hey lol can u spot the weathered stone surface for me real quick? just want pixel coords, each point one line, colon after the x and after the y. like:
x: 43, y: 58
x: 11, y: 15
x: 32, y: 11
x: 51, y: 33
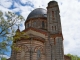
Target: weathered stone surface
x: 45, y: 40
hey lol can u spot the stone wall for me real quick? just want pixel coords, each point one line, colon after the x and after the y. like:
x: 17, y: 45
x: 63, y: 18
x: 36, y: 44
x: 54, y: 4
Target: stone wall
x: 28, y: 50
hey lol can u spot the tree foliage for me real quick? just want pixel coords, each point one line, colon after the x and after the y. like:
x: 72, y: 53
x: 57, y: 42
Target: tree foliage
x: 17, y: 37
x: 8, y: 22
x: 3, y: 58
x: 74, y: 57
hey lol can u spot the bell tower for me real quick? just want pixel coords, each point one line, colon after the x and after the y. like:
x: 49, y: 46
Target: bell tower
x: 53, y: 18
x: 42, y: 37
x: 54, y: 44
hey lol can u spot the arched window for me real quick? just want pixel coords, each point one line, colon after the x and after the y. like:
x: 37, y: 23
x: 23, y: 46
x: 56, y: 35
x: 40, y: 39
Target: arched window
x: 52, y: 28
x: 43, y: 24
x: 52, y: 15
x: 28, y: 24
x: 38, y: 54
x: 55, y: 28
x: 34, y: 23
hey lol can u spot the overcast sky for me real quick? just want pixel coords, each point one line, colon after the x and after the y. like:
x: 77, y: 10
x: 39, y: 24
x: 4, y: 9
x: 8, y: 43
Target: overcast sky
x: 70, y: 18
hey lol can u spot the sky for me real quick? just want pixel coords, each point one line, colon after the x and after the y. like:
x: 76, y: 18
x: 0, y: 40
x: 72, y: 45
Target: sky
x: 69, y: 14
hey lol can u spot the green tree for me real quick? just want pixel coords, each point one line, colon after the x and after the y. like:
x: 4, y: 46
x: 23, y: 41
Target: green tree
x: 74, y: 57
x: 8, y: 22
x: 3, y: 58
x: 17, y: 37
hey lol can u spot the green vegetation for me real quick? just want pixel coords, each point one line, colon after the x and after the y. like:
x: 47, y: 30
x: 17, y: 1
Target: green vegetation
x: 18, y: 36
x: 3, y: 58
x: 8, y: 22
x: 74, y: 57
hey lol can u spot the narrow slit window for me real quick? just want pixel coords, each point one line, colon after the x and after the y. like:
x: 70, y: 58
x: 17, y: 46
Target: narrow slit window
x: 38, y: 54
x: 52, y: 15
x: 55, y: 27
x: 52, y: 28
x: 28, y: 24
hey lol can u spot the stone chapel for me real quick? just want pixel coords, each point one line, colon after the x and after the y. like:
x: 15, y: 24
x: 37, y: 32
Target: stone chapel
x: 45, y: 40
